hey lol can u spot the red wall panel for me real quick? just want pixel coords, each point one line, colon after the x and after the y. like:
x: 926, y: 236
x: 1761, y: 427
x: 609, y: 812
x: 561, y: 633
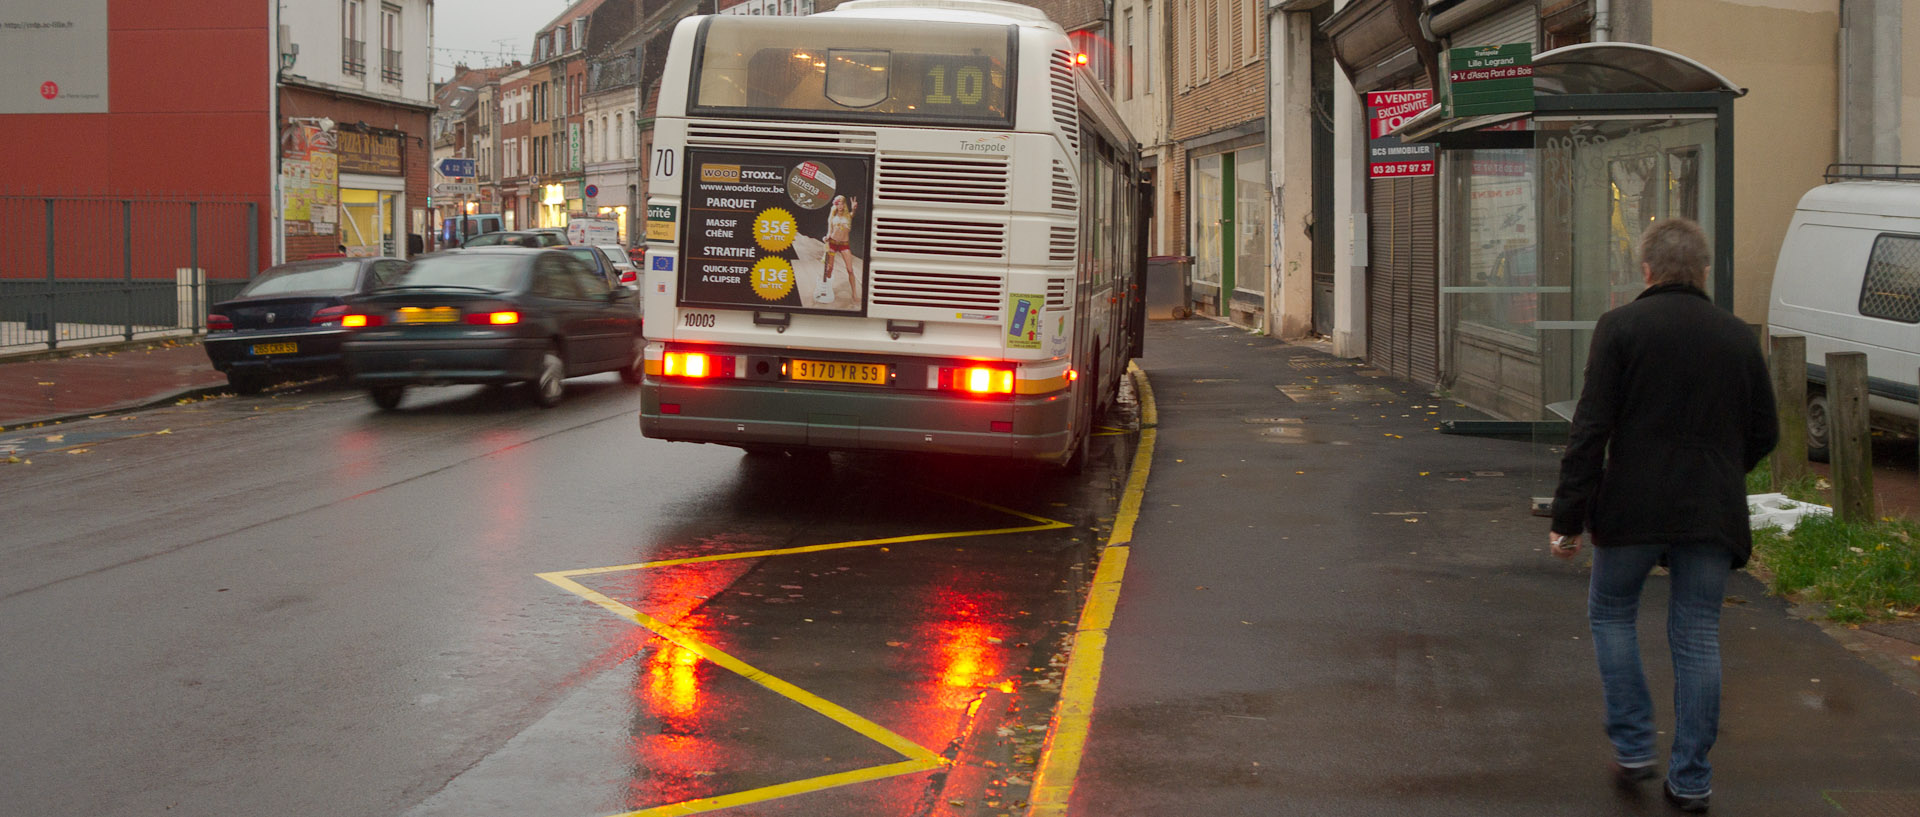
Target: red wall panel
x: 190, y: 70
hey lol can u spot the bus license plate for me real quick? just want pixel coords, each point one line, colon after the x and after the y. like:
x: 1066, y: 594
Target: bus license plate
x: 872, y: 374
x: 286, y: 348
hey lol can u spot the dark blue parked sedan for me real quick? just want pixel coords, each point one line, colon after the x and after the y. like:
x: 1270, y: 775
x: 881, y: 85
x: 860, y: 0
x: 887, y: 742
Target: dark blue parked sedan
x: 286, y: 321
x: 491, y: 315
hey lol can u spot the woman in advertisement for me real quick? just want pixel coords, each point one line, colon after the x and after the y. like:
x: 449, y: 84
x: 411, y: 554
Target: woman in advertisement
x: 839, y: 244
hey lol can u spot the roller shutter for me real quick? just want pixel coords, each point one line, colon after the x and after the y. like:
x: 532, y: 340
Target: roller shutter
x: 1403, y: 281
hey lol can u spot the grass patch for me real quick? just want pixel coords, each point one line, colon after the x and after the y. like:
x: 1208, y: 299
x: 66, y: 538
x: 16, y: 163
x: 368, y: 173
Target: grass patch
x: 1861, y: 572
x: 1808, y: 488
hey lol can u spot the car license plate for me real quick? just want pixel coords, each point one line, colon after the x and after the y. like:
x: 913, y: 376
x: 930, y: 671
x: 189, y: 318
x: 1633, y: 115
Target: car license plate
x: 285, y: 348
x: 428, y: 314
x: 873, y: 374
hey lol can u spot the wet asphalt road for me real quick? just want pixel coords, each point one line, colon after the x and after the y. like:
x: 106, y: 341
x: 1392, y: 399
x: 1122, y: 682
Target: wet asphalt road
x: 294, y: 603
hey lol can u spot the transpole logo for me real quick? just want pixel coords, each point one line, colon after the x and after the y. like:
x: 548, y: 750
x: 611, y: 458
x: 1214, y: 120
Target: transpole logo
x: 49, y: 89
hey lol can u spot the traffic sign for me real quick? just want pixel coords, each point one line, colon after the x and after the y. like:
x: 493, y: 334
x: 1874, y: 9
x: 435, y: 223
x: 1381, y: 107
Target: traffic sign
x: 457, y: 168
x: 456, y: 189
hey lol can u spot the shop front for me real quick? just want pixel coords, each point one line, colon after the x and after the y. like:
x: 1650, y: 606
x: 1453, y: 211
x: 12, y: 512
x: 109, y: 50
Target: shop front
x: 373, y: 197
x: 1227, y: 191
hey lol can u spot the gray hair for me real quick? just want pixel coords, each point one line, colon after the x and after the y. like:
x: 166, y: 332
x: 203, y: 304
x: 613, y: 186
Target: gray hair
x: 1676, y: 249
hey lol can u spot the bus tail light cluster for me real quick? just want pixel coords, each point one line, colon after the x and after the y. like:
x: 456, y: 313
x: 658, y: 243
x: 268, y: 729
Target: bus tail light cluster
x: 696, y: 365
x: 976, y: 379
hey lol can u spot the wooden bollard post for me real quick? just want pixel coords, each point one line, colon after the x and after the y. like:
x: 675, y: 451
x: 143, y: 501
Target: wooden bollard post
x: 1788, y: 363
x: 1849, y: 436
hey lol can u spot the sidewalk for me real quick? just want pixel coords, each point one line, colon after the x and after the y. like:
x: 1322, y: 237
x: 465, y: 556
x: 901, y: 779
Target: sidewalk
x: 1333, y: 609
x: 93, y: 380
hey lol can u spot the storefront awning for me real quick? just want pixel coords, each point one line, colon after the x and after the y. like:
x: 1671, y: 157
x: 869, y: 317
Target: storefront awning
x: 1587, y: 69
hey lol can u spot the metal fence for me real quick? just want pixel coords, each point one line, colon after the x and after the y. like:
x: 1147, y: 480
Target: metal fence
x: 80, y: 269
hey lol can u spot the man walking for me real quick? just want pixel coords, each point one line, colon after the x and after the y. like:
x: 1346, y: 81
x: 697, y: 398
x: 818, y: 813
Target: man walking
x: 1676, y: 409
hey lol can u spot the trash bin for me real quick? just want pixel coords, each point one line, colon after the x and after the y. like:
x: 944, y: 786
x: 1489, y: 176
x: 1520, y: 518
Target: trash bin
x: 1169, y: 293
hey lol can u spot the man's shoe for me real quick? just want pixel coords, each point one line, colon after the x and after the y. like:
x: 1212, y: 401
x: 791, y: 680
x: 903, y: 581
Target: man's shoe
x: 1684, y: 803
x: 1627, y: 777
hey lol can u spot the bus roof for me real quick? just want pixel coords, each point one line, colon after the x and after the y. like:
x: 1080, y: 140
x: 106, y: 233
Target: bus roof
x: 918, y: 9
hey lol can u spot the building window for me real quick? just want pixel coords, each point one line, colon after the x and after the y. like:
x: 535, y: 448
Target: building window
x: 619, y: 134
x: 1126, y: 70
x: 389, y: 43
x: 353, y: 44
x: 1146, y: 75
x: 590, y: 137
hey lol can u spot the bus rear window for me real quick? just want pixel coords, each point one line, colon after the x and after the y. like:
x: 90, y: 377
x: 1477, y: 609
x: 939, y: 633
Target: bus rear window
x: 868, y: 70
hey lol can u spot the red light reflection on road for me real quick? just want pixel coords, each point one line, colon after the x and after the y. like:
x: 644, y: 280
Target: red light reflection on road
x: 353, y: 457
x: 673, y: 682
x: 966, y: 652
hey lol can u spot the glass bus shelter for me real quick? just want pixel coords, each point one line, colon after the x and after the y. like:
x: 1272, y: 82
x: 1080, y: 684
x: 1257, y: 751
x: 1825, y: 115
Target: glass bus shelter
x: 1541, y: 213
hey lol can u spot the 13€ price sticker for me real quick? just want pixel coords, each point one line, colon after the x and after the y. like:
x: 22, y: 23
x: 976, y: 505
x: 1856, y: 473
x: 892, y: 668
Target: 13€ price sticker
x: 772, y: 278
x: 774, y: 229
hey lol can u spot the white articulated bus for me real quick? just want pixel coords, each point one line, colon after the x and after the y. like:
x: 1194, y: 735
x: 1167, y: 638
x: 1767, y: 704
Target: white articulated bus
x: 903, y: 225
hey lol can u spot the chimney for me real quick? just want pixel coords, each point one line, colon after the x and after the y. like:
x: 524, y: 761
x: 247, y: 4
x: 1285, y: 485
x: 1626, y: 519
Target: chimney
x: 459, y: 68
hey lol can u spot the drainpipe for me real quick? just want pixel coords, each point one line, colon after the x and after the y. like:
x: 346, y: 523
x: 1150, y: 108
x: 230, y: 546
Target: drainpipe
x: 1602, y: 21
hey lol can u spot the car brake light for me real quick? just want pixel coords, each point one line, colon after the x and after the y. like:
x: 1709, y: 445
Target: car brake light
x: 500, y: 318
x: 330, y: 314
x: 977, y: 380
x: 216, y: 323
x: 696, y: 364
x: 360, y: 321
x: 629, y: 277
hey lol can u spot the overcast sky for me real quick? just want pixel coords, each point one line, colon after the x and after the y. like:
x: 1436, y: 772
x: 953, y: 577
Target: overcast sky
x: 479, y: 32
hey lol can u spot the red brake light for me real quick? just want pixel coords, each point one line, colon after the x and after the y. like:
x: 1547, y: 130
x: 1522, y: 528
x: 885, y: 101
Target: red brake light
x: 696, y: 364
x: 330, y: 314
x: 501, y: 318
x: 360, y: 321
x: 1080, y: 59
x: 217, y: 323
x: 687, y: 364
x: 629, y: 277
x: 977, y: 380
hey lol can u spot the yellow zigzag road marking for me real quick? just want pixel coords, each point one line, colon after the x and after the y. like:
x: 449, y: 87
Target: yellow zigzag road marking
x: 919, y: 758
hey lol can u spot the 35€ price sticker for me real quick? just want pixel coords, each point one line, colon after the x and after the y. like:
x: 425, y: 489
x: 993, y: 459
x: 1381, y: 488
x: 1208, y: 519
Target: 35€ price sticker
x: 774, y: 229
x: 772, y: 278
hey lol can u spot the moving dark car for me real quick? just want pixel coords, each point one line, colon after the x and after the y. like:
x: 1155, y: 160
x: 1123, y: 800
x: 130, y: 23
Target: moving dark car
x: 494, y: 315
x: 286, y: 321
x: 518, y: 238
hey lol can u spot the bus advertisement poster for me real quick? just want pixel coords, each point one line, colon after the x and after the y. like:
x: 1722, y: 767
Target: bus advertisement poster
x: 776, y: 231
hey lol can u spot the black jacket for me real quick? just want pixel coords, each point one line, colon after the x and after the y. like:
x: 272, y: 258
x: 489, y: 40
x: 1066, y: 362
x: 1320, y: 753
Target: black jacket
x: 1677, y: 408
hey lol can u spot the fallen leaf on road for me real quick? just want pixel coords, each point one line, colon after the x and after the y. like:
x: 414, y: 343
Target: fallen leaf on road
x: 164, y: 431
x: 81, y: 451
x: 46, y: 382
x: 54, y: 438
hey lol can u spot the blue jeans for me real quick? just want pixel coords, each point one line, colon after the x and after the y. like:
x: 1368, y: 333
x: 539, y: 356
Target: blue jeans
x: 1699, y: 582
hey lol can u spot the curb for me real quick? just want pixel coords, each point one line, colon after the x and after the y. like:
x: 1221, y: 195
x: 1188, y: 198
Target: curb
x: 151, y: 401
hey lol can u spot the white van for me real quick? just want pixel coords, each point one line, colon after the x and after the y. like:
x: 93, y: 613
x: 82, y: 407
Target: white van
x: 1848, y: 280
x: 456, y: 230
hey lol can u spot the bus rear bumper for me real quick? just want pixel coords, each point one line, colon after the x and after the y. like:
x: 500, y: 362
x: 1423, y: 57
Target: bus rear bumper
x: 788, y: 417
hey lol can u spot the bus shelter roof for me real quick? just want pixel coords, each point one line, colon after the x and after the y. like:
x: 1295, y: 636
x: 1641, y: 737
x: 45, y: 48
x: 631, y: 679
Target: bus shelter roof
x: 1588, y: 69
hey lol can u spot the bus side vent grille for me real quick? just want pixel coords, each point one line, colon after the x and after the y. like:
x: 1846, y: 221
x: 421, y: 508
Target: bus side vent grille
x: 940, y: 290
x: 943, y: 181
x: 1065, y: 103
x: 779, y: 136
x: 943, y: 237
x: 1056, y: 293
x: 1064, y: 196
x: 1060, y: 243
